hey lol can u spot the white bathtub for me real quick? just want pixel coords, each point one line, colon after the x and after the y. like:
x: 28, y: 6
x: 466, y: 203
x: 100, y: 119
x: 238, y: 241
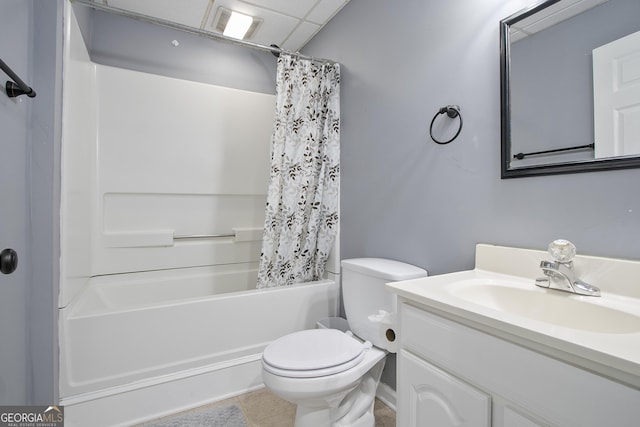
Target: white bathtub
x: 143, y: 344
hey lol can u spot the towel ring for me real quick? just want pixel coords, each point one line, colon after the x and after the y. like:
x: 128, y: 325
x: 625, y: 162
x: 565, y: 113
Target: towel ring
x: 452, y: 111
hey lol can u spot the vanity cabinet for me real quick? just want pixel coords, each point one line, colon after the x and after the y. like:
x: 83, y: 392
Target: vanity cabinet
x: 450, y: 373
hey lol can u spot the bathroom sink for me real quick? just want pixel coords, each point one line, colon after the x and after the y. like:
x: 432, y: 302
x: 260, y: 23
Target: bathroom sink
x: 549, y: 306
x: 500, y: 297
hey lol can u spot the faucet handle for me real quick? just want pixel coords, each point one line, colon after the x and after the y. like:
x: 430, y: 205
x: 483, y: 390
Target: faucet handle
x: 562, y: 250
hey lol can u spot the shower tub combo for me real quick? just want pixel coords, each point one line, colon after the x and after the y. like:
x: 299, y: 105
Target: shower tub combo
x: 160, y: 342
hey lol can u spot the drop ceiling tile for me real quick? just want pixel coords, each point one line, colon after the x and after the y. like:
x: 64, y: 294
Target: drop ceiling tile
x: 324, y: 11
x: 295, y: 8
x: 275, y: 26
x: 300, y: 37
x: 287, y: 23
x: 189, y: 12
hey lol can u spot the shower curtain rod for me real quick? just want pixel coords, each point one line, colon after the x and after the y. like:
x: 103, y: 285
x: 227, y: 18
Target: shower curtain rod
x: 276, y: 50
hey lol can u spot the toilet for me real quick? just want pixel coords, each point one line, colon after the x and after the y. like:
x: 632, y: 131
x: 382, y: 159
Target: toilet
x: 332, y: 375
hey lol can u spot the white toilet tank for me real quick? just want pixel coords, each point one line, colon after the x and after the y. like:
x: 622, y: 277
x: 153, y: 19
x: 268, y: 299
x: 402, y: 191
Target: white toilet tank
x: 363, y: 293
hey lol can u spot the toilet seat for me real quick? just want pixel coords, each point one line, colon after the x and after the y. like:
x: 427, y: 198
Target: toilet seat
x: 313, y: 353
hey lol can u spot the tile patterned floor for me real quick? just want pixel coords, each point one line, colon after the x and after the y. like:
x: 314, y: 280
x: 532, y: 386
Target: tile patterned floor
x: 262, y: 408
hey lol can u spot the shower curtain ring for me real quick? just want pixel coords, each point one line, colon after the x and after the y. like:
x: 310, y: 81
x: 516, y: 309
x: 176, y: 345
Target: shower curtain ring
x: 452, y: 111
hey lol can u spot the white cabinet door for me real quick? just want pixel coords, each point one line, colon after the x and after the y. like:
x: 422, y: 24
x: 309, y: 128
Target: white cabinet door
x: 428, y: 396
x: 616, y: 96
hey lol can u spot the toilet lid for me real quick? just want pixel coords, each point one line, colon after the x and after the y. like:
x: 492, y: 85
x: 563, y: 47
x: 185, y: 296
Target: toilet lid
x: 313, y: 349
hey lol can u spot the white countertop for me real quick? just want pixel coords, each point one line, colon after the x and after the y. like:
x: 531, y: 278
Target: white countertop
x: 603, y: 348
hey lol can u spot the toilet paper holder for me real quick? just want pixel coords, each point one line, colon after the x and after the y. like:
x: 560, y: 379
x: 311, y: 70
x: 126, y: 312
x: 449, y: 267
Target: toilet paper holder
x: 390, y: 334
x: 387, y: 324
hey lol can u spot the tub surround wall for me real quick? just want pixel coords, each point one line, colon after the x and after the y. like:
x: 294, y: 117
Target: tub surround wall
x: 177, y: 158
x: 79, y: 152
x: 149, y: 157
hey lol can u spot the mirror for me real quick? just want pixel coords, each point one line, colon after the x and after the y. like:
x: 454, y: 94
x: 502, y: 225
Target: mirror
x: 570, y: 87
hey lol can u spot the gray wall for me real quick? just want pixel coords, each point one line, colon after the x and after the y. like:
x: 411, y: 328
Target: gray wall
x: 14, y: 289
x: 407, y: 198
x: 31, y: 35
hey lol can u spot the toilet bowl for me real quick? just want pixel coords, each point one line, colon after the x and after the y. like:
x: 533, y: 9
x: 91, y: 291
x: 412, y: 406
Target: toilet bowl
x: 331, y: 375
x: 336, y: 367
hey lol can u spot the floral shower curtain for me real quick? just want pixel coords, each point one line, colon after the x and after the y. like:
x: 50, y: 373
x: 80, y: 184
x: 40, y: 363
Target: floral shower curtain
x: 301, y: 216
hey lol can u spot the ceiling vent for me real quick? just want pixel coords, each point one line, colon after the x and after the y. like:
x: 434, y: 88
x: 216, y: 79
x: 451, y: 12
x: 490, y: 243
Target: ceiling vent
x: 223, y: 19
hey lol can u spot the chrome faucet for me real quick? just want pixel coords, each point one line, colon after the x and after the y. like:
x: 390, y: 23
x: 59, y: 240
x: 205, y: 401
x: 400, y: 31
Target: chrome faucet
x: 560, y: 274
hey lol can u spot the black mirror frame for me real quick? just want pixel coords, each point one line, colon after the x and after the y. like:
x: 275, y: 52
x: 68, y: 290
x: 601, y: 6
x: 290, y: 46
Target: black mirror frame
x: 505, y: 118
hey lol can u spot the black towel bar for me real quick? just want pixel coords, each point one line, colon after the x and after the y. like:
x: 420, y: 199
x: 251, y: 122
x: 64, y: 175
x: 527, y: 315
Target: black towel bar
x: 16, y: 87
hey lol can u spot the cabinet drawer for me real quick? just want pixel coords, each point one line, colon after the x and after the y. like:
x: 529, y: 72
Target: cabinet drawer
x: 429, y: 336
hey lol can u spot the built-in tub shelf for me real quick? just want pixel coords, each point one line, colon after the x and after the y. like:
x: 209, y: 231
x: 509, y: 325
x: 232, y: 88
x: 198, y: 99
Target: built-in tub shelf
x: 154, y: 238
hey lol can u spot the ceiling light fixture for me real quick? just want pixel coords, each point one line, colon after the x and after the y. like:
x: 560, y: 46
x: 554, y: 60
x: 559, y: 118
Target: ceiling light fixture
x: 238, y: 25
x: 235, y: 24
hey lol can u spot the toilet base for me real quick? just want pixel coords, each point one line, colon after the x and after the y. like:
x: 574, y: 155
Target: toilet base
x: 312, y: 417
x: 352, y: 409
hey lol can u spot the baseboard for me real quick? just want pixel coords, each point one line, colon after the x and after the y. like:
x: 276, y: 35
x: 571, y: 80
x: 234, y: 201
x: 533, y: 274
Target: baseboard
x: 133, y: 405
x: 387, y: 395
